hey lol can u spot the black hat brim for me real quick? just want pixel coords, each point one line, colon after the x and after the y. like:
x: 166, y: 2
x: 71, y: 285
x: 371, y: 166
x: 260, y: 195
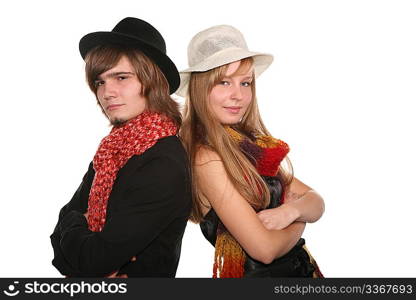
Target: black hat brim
x: 168, y: 68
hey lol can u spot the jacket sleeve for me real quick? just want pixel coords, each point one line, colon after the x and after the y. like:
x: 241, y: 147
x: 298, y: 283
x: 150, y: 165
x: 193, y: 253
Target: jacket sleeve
x: 78, y: 203
x: 155, y: 197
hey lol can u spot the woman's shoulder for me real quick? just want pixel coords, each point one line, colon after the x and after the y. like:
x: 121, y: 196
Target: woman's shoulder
x: 205, y: 154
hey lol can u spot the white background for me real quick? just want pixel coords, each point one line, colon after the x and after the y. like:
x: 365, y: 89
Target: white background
x: 341, y: 93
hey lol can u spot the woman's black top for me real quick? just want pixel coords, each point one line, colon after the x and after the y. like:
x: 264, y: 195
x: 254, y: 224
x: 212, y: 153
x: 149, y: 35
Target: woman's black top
x: 295, y: 263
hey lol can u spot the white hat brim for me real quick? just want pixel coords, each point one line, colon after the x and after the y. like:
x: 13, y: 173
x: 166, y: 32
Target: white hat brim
x: 261, y: 62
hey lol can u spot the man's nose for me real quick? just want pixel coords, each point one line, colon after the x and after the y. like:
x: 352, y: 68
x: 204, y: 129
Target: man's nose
x: 109, y: 90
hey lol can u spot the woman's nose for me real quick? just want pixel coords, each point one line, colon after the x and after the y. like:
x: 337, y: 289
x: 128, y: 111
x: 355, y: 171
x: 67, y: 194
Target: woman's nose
x: 236, y: 92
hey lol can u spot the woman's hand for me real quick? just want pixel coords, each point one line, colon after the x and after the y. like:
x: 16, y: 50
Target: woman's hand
x: 304, y: 199
x: 279, y: 217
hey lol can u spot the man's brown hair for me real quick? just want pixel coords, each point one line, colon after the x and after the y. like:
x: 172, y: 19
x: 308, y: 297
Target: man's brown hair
x: 155, y: 87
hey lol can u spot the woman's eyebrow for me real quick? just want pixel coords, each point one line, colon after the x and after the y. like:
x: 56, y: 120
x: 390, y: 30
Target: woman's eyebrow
x: 248, y: 77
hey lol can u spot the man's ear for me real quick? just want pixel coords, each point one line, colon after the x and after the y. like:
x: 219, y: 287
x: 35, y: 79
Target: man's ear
x: 142, y: 89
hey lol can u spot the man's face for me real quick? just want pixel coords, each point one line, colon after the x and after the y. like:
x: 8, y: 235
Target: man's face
x: 119, y: 93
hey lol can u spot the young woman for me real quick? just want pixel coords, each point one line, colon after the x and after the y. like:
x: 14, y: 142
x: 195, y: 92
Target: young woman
x: 248, y: 205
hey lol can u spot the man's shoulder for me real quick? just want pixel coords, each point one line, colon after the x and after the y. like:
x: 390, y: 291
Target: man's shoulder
x: 166, y: 161
x: 167, y: 151
x: 172, y: 142
x: 168, y: 147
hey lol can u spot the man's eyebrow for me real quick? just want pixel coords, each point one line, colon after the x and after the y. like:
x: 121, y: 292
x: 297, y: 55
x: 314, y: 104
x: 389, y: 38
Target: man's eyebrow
x: 115, y: 74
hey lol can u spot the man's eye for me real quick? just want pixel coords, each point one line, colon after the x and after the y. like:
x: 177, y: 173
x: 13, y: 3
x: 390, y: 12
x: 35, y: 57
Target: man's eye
x: 121, y: 78
x: 98, y: 83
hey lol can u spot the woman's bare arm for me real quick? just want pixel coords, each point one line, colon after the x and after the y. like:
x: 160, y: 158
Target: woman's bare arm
x: 238, y: 216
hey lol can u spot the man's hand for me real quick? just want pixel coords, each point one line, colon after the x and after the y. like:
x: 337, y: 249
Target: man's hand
x: 115, y: 273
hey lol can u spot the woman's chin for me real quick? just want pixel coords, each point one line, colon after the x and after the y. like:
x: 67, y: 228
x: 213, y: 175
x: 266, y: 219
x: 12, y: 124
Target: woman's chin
x: 230, y: 121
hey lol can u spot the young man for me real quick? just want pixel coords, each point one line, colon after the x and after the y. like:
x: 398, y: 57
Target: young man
x: 128, y: 216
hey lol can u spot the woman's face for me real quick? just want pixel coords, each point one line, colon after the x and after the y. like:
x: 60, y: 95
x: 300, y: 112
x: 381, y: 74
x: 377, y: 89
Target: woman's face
x: 230, y: 98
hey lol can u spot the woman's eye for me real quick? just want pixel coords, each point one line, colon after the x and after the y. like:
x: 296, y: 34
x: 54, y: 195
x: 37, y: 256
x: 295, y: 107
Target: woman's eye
x: 120, y: 78
x: 246, y: 83
x: 224, y: 82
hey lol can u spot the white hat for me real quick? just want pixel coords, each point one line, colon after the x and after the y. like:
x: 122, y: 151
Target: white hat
x: 217, y: 46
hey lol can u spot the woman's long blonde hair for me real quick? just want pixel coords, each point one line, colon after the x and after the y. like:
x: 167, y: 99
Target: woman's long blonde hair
x: 200, y: 127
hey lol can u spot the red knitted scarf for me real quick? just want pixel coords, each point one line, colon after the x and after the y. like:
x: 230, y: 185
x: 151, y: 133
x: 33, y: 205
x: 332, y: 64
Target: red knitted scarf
x: 132, y: 138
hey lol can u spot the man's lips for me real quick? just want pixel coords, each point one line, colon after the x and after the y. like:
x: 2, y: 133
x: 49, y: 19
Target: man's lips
x: 114, y: 106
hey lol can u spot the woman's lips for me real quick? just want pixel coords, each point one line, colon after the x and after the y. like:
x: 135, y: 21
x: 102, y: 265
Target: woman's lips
x: 233, y: 109
x: 114, y: 106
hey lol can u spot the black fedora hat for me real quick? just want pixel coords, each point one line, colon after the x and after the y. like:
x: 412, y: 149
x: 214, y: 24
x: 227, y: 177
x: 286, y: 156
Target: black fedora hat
x: 135, y: 33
